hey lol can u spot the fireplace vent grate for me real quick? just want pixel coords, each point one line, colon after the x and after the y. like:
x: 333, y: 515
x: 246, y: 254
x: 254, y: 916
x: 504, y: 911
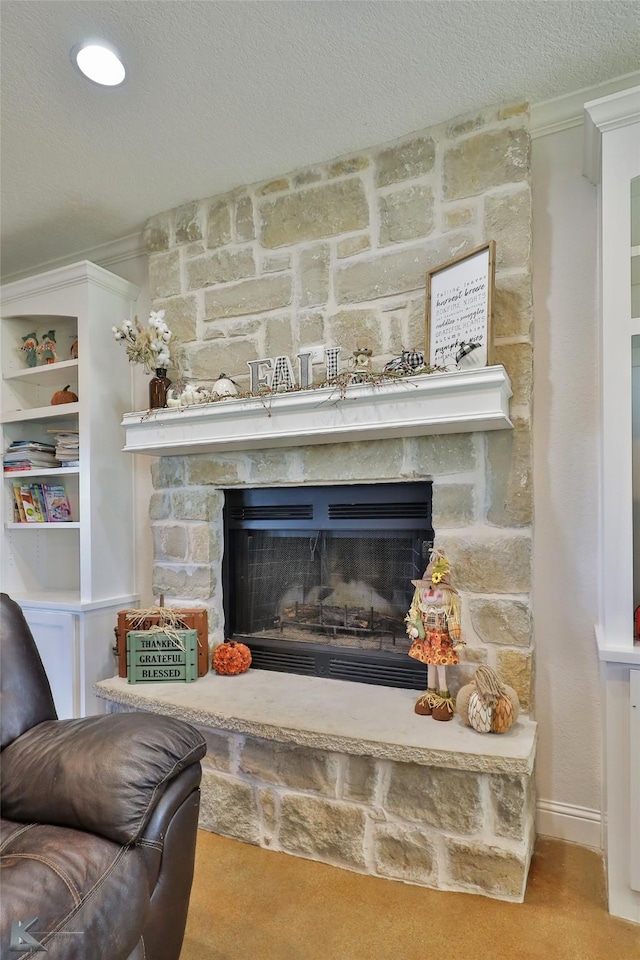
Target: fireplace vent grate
x: 388, y: 674
x: 285, y: 662
x: 273, y: 511
x: 378, y: 511
x: 360, y: 666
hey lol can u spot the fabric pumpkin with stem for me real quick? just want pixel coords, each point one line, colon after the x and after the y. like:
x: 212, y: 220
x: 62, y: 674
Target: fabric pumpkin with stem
x: 64, y: 396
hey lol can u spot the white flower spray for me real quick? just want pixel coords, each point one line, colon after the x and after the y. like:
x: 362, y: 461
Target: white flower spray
x: 154, y: 346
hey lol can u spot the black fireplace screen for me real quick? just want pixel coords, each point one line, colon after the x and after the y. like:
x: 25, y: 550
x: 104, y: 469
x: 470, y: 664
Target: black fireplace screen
x: 318, y: 579
x: 348, y: 591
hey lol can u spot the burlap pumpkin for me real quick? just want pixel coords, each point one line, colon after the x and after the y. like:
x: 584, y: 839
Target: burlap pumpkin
x: 489, y: 706
x: 231, y: 658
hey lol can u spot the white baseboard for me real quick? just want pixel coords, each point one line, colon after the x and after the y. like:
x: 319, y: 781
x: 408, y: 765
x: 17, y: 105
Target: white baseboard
x: 565, y: 822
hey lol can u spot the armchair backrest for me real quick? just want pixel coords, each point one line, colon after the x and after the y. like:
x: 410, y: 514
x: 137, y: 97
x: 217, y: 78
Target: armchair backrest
x: 25, y: 694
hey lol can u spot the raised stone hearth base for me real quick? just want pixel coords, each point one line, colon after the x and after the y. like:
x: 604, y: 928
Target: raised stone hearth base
x: 347, y: 774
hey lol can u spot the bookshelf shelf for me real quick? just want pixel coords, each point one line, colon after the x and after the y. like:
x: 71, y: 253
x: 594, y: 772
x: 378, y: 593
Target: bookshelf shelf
x: 67, y: 601
x: 41, y: 413
x: 42, y: 472
x: 67, y: 525
x: 46, y: 375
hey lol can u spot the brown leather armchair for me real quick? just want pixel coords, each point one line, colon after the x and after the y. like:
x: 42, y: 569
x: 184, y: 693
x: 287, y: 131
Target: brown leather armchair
x: 99, y: 820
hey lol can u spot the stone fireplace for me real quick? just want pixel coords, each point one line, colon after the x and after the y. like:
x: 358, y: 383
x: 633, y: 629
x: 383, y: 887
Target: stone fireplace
x: 341, y: 771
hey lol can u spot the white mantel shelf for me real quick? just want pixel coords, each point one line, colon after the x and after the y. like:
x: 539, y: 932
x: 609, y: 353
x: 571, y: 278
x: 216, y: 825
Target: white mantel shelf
x: 461, y: 402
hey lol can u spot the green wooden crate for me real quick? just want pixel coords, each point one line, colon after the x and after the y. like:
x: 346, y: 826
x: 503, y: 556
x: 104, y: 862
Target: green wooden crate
x: 155, y: 658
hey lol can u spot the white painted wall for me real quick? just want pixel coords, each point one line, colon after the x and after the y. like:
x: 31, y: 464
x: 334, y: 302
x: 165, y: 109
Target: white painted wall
x: 635, y: 453
x: 565, y: 437
x: 135, y: 269
x: 635, y: 385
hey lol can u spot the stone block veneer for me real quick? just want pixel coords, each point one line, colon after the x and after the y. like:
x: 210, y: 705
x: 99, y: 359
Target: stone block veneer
x: 433, y: 804
x: 338, y: 253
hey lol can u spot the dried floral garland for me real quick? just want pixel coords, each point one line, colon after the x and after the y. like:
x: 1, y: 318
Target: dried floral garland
x: 339, y: 383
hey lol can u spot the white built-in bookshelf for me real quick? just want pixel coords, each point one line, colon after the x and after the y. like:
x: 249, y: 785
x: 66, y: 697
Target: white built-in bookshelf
x: 71, y: 577
x: 612, y: 162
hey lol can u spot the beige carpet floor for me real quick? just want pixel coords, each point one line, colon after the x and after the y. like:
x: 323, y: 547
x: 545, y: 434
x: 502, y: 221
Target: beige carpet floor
x: 254, y: 904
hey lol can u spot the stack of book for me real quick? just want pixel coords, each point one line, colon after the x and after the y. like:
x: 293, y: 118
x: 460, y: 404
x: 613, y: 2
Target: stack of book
x: 67, y: 443
x: 41, y: 503
x: 29, y: 455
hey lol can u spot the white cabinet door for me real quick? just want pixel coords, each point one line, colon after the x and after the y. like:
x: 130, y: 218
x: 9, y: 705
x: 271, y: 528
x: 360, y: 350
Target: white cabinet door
x: 634, y: 776
x: 55, y: 635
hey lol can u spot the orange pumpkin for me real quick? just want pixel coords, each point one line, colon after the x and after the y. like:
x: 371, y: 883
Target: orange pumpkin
x: 64, y: 396
x: 231, y: 658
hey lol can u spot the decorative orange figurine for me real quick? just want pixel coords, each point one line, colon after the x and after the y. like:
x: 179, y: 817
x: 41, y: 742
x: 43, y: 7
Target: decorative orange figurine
x: 231, y: 658
x: 64, y: 396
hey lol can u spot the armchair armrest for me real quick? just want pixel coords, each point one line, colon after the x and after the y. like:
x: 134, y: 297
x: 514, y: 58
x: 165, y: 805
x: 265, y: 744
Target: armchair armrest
x: 101, y: 774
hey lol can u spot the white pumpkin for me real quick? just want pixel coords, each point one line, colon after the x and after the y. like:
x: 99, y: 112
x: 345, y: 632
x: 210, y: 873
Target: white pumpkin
x: 480, y: 717
x: 225, y: 387
x: 462, y: 701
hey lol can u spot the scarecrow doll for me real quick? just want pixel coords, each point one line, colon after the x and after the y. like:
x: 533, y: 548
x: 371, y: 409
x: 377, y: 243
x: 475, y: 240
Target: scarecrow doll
x: 433, y: 624
x: 360, y: 364
x: 48, y: 347
x: 29, y: 348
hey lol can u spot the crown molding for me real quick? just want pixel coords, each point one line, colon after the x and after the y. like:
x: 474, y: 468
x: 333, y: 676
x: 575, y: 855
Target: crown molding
x: 602, y: 115
x: 563, y: 113
x: 70, y: 275
x: 104, y: 255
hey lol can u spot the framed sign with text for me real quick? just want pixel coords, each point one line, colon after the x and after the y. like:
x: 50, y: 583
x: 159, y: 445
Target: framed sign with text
x: 459, y: 310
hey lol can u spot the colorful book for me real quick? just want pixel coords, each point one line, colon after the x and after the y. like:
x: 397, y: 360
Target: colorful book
x: 30, y: 505
x: 36, y: 489
x: 57, y: 507
x: 19, y: 504
x: 33, y: 444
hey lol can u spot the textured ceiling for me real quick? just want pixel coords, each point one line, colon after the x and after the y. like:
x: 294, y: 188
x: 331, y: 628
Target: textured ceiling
x: 224, y: 93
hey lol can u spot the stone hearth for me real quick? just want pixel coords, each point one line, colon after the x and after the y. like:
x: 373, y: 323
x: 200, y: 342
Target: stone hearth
x: 349, y: 775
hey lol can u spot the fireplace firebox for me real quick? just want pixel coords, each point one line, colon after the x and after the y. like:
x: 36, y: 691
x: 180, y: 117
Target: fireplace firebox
x: 317, y: 579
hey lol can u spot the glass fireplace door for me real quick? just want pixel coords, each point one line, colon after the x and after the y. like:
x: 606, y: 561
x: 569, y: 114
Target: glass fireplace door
x: 318, y: 579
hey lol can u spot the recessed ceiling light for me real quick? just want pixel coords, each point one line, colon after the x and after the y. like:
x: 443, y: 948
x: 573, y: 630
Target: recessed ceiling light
x: 99, y: 63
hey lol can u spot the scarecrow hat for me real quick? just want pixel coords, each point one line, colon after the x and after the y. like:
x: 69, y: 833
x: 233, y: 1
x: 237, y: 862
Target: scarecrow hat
x: 436, y: 574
